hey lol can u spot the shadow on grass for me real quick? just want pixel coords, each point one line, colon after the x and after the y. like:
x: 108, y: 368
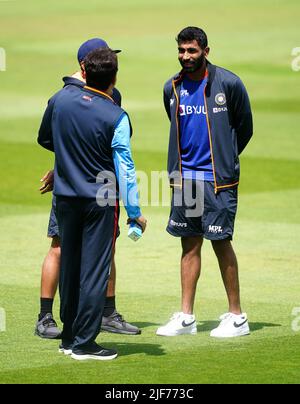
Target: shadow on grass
x: 209, y: 325
x: 142, y: 325
x: 130, y: 348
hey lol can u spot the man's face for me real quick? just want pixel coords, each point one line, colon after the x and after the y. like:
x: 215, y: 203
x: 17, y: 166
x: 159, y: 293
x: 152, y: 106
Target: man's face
x: 191, y: 56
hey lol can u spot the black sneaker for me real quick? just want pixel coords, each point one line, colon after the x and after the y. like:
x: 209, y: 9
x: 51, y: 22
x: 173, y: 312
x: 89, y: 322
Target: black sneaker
x: 47, y: 327
x: 95, y: 352
x: 116, y: 324
x: 65, y: 347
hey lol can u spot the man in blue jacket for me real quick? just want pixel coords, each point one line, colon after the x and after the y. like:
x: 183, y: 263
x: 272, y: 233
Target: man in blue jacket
x: 211, y: 124
x: 112, y: 321
x: 90, y: 135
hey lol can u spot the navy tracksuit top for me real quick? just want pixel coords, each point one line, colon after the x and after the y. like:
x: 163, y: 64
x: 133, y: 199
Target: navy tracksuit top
x: 82, y: 128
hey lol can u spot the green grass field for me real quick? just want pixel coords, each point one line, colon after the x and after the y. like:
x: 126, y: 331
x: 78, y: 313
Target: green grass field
x: 255, y: 40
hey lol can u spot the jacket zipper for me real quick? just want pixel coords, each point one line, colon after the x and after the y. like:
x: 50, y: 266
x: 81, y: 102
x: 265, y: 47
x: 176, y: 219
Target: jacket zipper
x: 216, y: 186
x: 210, y: 143
x: 177, y: 126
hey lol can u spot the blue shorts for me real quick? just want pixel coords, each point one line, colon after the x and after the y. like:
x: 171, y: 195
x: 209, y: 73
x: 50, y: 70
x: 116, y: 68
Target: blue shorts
x: 196, y: 211
x: 53, y: 230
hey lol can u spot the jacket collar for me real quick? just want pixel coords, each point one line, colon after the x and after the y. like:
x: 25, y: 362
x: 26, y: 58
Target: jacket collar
x: 72, y: 81
x: 99, y: 93
x: 75, y: 82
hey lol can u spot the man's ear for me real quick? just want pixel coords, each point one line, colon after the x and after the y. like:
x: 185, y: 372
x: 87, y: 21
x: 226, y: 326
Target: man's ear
x: 83, y: 73
x: 206, y: 51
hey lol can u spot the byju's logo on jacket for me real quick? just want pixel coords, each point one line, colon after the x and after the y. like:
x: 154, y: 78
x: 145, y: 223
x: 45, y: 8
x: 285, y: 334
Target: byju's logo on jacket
x: 192, y: 109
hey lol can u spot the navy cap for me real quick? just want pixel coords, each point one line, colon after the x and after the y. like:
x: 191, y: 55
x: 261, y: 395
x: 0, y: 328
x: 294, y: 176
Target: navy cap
x: 91, y: 45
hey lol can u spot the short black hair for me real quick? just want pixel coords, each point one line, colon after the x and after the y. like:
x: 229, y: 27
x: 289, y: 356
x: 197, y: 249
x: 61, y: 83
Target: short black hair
x: 101, y: 66
x: 193, y: 33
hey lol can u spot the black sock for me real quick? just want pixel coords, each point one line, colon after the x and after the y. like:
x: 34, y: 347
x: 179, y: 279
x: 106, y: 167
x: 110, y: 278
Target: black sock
x: 46, y: 306
x: 110, y: 306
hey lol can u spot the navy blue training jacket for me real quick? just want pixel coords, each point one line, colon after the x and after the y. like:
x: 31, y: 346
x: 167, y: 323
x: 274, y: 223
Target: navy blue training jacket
x: 229, y: 121
x: 79, y: 125
x: 45, y: 131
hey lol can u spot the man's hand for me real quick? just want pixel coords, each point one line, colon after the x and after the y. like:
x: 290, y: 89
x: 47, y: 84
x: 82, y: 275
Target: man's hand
x: 142, y: 221
x: 48, y: 182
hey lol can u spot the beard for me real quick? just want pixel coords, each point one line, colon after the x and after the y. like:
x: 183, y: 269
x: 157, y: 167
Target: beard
x: 194, y: 65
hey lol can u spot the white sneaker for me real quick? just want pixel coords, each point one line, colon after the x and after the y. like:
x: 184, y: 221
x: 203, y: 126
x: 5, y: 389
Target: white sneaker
x: 179, y: 324
x: 231, y: 325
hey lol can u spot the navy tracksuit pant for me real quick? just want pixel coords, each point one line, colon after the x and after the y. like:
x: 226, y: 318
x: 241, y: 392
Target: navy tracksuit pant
x: 87, y: 234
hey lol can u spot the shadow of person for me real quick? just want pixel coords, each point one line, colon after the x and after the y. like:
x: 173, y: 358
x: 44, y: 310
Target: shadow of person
x: 254, y: 326
x: 259, y: 326
x: 144, y: 324
x: 130, y: 348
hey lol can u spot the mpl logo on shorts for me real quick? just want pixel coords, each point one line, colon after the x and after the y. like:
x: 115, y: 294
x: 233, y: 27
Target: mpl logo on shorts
x: 215, y: 229
x: 220, y: 99
x: 176, y: 224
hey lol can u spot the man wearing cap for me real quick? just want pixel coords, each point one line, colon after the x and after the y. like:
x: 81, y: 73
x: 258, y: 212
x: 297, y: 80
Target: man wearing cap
x: 90, y: 135
x: 112, y: 321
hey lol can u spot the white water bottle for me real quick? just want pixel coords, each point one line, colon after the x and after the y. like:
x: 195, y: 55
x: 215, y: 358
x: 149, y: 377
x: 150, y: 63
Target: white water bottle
x: 135, y: 231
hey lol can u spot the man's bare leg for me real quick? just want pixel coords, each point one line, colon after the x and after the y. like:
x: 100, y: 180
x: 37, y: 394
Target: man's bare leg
x: 229, y: 271
x: 46, y: 326
x: 190, y: 271
x: 50, y: 270
x: 185, y: 322
x: 234, y: 323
